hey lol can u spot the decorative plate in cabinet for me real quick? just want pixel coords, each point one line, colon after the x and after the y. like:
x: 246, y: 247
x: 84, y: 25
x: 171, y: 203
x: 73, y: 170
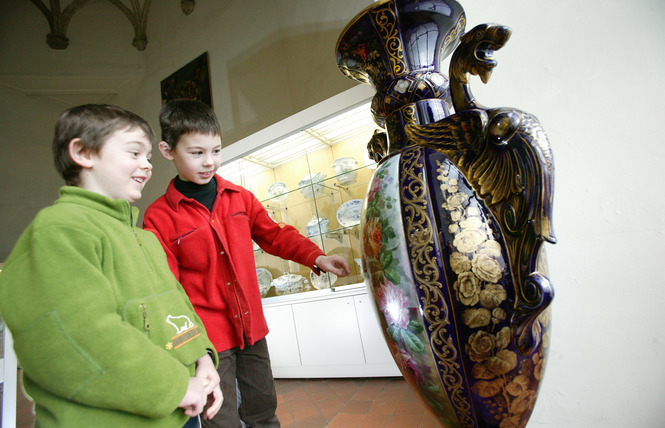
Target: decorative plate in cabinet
x: 348, y: 213
x: 277, y: 192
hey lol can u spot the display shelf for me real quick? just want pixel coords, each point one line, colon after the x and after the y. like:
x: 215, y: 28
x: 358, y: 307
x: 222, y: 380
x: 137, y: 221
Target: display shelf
x: 312, y: 205
x: 339, y: 233
x: 315, y: 295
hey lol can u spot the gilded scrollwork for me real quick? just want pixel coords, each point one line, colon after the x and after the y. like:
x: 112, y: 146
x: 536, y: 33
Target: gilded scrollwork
x: 453, y: 35
x: 421, y: 232
x: 386, y: 21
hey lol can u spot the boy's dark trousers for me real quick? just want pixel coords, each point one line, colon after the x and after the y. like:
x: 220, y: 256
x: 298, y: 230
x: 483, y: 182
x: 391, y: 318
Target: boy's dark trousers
x: 258, y: 403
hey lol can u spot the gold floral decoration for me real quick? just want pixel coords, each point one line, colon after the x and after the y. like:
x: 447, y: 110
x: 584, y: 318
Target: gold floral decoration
x: 506, y: 385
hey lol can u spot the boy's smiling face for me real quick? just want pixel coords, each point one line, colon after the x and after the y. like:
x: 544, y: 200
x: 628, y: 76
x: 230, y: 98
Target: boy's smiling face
x: 196, y: 156
x: 121, y: 168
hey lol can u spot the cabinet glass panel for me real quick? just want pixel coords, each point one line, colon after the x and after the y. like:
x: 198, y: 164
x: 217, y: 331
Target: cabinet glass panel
x: 315, y: 181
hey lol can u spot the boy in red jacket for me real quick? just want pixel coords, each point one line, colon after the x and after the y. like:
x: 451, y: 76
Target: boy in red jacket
x: 206, y: 224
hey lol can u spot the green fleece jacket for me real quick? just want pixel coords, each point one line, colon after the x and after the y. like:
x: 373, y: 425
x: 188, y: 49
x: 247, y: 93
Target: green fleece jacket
x: 103, y: 331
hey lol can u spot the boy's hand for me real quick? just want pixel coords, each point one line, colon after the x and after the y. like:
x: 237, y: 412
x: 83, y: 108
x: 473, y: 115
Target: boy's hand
x: 215, y: 400
x: 205, y: 370
x: 333, y: 264
x: 195, y: 397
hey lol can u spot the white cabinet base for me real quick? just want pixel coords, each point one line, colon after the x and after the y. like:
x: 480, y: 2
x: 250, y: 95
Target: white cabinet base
x: 327, y: 333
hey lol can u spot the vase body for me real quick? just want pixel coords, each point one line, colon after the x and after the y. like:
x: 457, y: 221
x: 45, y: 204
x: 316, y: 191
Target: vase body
x: 452, y: 254
x: 436, y: 263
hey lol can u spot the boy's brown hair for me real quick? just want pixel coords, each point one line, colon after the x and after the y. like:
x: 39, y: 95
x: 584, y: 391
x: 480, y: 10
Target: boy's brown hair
x: 180, y: 117
x: 93, y: 124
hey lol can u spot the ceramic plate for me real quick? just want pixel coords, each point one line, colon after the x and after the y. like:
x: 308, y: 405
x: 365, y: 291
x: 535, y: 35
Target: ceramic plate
x: 277, y: 191
x: 349, y: 213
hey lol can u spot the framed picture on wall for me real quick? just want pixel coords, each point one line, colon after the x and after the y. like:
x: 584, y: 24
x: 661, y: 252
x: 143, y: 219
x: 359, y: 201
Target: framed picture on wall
x: 192, y: 81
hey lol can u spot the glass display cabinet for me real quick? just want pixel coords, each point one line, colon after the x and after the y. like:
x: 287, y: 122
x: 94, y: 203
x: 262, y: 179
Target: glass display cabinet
x: 314, y: 180
x: 311, y: 171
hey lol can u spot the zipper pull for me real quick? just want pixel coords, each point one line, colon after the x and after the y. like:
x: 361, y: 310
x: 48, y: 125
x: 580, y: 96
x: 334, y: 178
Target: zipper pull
x: 146, y: 321
x: 136, y: 235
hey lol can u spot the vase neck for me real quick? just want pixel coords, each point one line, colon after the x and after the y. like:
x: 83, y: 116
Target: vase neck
x: 420, y: 113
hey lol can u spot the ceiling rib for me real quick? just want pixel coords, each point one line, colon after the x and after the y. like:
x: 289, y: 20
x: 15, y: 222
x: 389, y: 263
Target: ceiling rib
x: 58, y: 19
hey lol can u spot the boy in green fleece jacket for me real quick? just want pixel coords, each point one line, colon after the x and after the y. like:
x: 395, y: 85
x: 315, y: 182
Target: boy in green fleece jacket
x: 103, y: 331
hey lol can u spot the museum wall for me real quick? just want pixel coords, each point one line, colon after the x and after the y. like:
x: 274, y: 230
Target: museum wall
x: 590, y: 71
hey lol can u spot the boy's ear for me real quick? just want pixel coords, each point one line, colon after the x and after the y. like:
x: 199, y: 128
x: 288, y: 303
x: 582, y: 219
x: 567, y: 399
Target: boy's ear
x: 166, y: 150
x: 80, y: 154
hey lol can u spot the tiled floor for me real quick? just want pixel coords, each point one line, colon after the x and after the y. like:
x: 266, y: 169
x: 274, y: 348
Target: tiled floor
x: 347, y: 403
x: 333, y: 403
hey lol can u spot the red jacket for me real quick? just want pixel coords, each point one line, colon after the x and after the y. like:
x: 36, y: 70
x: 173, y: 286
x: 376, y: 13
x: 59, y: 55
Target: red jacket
x: 211, y: 254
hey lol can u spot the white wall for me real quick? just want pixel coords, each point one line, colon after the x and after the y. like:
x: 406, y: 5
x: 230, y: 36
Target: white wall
x: 592, y: 73
x: 590, y: 70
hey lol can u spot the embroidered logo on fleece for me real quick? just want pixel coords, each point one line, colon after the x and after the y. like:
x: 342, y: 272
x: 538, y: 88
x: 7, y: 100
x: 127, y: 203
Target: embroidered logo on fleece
x: 185, y: 329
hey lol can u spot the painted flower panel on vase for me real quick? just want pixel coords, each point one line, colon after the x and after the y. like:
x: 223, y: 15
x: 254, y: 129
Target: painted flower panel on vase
x: 390, y: 280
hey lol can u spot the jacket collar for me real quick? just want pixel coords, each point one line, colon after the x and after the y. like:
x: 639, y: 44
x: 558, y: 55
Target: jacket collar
x: 119, y: 209
x: 174, y: 197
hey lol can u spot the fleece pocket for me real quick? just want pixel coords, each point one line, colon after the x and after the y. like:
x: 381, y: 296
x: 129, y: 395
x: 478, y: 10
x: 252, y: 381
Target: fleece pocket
x: 187, y: 248
x: 56, y: 362
x: 169, y: 323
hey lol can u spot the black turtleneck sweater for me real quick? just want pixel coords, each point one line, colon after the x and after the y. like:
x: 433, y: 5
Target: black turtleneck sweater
x: 203, y: 193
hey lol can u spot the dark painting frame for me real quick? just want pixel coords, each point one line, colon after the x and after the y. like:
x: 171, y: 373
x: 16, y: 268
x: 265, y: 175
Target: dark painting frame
x: 192, y: 81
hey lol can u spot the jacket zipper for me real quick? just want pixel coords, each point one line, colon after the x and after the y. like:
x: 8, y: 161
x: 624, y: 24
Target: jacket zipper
x: 138, y: 240
x: 146, y: 319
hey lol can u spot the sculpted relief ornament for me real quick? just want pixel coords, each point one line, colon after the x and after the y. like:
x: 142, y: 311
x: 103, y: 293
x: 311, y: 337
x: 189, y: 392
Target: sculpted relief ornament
x: 455, y: 215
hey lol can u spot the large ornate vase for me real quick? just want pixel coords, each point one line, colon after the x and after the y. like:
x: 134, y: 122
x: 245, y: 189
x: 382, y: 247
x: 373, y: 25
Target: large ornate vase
x: 455, y: 215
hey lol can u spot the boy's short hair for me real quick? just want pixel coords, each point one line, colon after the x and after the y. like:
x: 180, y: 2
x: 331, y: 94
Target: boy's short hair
x: 93, y: 124
x: 180, y: 117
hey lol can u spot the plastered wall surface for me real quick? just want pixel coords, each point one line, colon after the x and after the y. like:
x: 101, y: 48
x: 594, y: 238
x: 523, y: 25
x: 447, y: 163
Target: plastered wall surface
x: 590, y: 71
